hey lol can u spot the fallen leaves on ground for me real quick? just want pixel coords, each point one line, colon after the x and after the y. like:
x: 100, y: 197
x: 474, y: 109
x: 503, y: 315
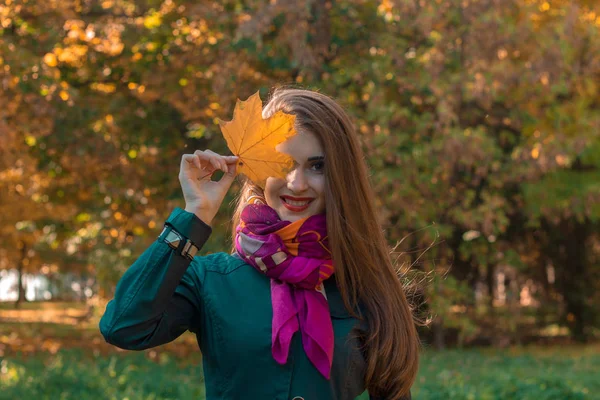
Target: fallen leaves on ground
x: 48, y: 327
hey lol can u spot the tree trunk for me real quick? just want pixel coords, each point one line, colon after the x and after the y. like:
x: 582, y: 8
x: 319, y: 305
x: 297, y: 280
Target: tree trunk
x: 577, y: 288
x: 20, y: 283
x: 568, y: 252
x: 438, y: 333
x: 489, y: 280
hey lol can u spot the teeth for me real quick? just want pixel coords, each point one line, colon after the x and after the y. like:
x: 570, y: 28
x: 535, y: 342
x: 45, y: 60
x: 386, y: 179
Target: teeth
x: 296, y: 203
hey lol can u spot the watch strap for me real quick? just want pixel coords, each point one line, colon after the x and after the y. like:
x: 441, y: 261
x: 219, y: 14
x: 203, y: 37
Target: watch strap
x: 178, y: 242
x: 188, y: 225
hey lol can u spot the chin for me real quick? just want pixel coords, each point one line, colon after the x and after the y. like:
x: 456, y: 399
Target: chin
x: 285, y: 215
x: 291, y: 216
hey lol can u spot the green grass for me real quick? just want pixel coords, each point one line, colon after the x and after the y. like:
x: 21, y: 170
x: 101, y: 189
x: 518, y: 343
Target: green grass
x: 73, y: 374
x: 535, y: 373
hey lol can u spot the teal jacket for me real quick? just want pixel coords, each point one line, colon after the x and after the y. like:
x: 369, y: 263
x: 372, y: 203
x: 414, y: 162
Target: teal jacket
x: 227, y: 304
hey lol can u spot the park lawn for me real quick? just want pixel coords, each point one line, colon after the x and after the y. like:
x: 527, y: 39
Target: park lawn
x: 48, y: 327
x: 528, y: 374
x: 48, y: 352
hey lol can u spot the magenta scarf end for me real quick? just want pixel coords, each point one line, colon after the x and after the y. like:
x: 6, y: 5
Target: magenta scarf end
x: 326, y: 372
x: 280, y: 358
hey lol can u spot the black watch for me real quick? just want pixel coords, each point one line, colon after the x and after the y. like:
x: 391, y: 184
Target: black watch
x: 176, y: 241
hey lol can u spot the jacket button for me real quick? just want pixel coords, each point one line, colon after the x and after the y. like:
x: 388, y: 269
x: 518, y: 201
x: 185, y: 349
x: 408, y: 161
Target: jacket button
x: 298, y: 398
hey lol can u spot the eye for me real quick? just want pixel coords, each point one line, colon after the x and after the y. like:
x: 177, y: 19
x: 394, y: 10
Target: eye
x: 318, y: 166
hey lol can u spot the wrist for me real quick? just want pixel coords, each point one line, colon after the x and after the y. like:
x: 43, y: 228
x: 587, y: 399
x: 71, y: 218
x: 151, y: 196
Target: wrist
x: 203, y: 215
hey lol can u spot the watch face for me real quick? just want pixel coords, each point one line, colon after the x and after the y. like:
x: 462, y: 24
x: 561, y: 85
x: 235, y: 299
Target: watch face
x: 173, y: 239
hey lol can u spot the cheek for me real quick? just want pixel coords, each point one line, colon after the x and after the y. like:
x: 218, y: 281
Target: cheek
x: 318, y: 185
x: 272, y: 188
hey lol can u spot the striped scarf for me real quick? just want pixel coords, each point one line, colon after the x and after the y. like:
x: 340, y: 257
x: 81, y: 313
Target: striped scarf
x: 295, y: 255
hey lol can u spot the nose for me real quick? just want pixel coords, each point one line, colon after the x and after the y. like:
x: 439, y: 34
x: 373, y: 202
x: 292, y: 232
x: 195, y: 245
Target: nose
x: 296, y: 181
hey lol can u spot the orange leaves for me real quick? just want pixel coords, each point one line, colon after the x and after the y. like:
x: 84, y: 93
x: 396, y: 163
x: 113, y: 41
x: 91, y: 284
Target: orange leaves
x: 50, y: 59
x: 253, y: 139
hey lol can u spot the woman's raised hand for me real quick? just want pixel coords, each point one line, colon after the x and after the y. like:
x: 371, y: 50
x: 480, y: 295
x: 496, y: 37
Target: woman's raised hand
x: 202, y: 195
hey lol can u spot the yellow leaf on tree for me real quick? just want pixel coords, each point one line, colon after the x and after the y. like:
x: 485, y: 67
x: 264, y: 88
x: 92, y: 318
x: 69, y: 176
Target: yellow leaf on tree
x: 50, y: 60
x: 253, y: 139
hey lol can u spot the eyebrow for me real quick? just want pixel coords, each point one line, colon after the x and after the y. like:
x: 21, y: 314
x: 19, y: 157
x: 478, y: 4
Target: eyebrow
x: 316, y: 158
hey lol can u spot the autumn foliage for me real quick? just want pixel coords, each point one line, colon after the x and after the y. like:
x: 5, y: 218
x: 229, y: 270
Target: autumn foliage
x: 480, y: 121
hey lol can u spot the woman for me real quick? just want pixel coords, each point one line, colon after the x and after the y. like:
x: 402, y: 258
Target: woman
x: 308, y: 305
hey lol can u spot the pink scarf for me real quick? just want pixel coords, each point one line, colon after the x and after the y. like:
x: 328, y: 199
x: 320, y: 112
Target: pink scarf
x: 295, y: 255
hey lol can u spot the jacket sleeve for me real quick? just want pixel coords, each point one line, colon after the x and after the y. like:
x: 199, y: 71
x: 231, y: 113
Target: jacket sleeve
x: 158, y: 297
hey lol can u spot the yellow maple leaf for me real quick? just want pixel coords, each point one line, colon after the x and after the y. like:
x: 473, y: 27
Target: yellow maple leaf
x: 253, y: 139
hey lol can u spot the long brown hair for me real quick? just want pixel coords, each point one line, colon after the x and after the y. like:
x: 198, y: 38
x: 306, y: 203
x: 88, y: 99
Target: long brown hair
x: 364, y: 269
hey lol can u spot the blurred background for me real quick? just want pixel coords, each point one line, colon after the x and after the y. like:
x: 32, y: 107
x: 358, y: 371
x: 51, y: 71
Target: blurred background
x: 480, y: 120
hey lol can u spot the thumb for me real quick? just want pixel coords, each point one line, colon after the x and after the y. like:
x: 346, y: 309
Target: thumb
x: 228, y: 177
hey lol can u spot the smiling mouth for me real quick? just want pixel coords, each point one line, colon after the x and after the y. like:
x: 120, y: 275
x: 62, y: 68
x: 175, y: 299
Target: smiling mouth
x: 296, y: 203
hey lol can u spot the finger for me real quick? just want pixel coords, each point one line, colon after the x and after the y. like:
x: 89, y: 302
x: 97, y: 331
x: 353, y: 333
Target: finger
x: 204, y: 159
x: 232, y: 169
x: 212, y: 162
x: 211, y: 153
x: 227, y: 179
x: 231, y: 159
x: 206, y: 165
x: 201, y: 163
x: 188, y: 162
x: 203, y: 155
x: 216, y: 161
x: 187, y: 159
x: 197, y: 162
x: 220, y: 160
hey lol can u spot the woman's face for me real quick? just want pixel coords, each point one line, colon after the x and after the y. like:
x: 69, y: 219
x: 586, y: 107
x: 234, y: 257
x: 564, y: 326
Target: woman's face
x: 302, y: 193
